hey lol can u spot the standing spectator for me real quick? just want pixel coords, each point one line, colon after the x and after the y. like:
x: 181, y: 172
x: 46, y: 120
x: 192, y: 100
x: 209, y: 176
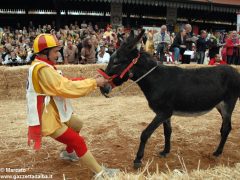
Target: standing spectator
x: 201, y: 47
x: 88, y: 52
x: 179, y: 46
x: 232, y: 45
x: 103, y: 57
x: 214, y: 44
x: 162, y: 40
x: 70, y: 53
x: 149, y: 47
x: 224, y: 49
x: 186, y: 58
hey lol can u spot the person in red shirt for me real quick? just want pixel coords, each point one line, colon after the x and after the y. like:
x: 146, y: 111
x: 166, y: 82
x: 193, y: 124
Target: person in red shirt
x: 216, y: 60
x: 232, y: 45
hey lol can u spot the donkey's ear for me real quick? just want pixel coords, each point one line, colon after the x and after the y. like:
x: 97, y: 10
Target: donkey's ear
x: 134, y: 42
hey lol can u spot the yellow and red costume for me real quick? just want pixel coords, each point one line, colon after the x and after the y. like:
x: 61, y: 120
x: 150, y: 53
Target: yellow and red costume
x: 50, y: 90
x: 49, y: 108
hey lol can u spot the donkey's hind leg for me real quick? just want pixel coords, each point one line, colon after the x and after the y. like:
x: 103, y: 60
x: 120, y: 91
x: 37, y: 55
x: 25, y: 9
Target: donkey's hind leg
x: 221, y: 109
x: 226, y: 111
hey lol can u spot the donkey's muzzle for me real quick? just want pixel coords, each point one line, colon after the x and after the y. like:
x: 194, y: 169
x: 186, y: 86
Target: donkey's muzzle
x: 106, y: 89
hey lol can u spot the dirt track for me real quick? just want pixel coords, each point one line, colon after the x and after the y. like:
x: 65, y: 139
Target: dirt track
x: 112, y: 128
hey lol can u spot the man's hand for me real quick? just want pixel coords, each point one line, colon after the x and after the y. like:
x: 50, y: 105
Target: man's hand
x: 101, y: 81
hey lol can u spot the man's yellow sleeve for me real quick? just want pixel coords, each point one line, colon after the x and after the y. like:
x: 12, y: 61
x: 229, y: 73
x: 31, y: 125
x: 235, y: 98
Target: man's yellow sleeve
x: 53, y: 84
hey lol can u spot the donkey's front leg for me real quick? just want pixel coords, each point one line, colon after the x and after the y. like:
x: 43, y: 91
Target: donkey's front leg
x: 167, y: 134
x: 159, y: 119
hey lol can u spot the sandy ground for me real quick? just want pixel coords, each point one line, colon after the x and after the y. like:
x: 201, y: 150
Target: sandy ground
x: 112, y: 128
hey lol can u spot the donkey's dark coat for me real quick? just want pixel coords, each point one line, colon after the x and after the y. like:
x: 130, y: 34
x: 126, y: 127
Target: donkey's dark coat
x: 173, y: 90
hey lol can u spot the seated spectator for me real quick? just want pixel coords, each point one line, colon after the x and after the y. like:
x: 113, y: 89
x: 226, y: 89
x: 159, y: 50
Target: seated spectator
x: 22, y: 52
x: 60, y: 59
x: 168, y: 55
x: 162, y: 40
x: 6, y: 54
x: 15, y: 59
x: 12, y: 59
x: 29, y: 56
x: 216, y: 60
x: 201, y: 46
x: 111, y: 48
x: 179, y: 45
x: 103, y: 57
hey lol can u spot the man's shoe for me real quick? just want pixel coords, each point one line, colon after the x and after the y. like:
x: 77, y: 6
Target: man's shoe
x: 69, y: 156
x: 106, y: 173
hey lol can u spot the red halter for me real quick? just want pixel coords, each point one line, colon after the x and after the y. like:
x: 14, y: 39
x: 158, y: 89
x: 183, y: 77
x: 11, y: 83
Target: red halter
x: 109, y: 78
x: 127, y: 69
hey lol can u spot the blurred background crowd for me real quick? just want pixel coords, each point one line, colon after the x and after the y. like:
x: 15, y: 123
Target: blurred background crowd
x: 85, y: 43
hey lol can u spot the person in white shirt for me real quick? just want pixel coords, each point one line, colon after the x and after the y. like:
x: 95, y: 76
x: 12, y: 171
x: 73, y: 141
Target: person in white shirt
x: 161, y: 41
x: 103, y: 57
x: 12, y: 59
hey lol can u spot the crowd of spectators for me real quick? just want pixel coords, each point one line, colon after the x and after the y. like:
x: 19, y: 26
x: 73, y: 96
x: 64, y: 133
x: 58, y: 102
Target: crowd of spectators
x: 184, y: 46
x: 88, y: 44
x: 81, y: 44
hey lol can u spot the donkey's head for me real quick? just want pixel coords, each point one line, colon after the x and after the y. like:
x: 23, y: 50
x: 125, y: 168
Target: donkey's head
x: 118, y: 68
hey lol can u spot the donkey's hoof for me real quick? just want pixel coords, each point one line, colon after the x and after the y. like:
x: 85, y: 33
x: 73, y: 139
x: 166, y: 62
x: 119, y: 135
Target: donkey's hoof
x: 163, y: 154
x: 137, y: 164
x: 217, y: 154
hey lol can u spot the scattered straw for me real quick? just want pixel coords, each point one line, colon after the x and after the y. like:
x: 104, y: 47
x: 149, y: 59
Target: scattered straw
x: 112, y: 129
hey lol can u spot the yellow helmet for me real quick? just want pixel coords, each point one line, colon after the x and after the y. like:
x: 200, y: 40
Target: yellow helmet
x: 44, y: 41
